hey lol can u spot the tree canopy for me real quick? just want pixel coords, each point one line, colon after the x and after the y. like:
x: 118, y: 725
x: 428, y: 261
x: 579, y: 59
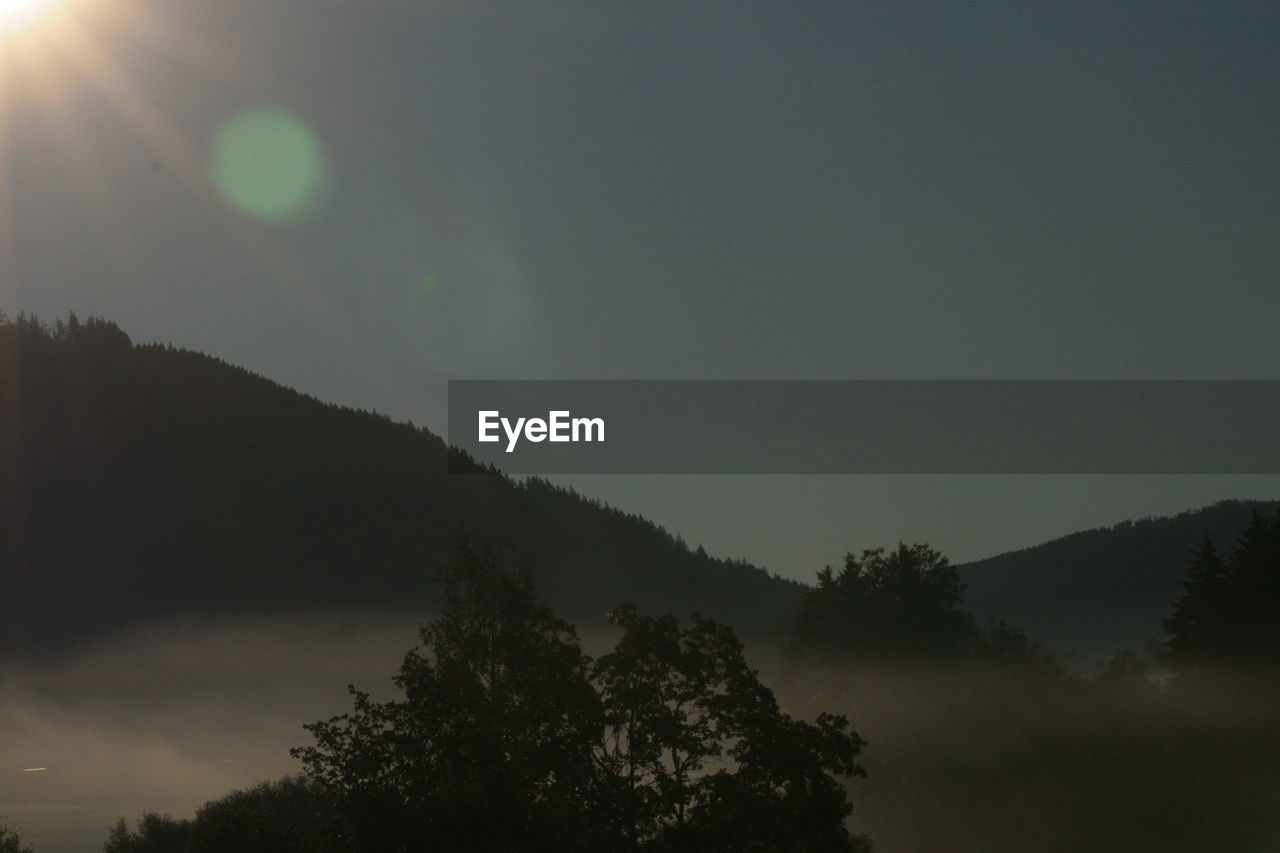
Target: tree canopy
x: 507, y: 737
x: 489, y: 747
x: 885, y: 605
x: 11, y: 840
x: 292, y: 815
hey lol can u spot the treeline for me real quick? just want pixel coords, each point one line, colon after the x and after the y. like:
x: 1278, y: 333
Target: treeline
x: 906, y: 605
x: 981, y: 742
x: 507, y: 737
x: 899, y: 606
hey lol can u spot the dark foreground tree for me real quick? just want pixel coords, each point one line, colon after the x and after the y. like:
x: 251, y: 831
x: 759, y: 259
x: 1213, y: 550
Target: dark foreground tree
x: 154, y: 833
x: 490, y: 748
x: 509, y: 739
x: 699, y: 755
x: 288, y: 816
x: 11, y: 840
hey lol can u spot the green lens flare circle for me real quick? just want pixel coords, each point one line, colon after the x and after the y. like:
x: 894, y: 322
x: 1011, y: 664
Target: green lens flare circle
x: 268, y: 164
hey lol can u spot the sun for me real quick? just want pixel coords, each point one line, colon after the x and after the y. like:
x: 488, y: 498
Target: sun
x: 16, y: 12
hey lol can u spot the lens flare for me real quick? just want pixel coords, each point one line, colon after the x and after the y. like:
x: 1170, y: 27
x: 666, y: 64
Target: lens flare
x: 268, y: 164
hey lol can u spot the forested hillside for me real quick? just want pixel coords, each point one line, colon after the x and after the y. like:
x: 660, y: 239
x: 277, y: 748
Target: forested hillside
x: 142, y: 481
x: 1093, y: 593
x: 146, y: 481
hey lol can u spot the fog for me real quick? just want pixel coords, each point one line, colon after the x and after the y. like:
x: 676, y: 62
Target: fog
x: 170, y: 716
x: 983, y: 758
x: 960, y: 759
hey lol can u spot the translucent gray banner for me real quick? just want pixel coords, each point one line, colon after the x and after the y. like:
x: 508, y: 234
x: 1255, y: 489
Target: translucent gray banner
x: 868, y: 426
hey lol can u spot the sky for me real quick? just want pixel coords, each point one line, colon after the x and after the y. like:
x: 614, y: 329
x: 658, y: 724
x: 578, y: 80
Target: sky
x: 661, y: 189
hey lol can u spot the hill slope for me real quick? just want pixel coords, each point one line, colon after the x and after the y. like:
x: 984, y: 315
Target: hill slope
x: 1090, y: 594
x: 146, y: 481
x: 141, y: 481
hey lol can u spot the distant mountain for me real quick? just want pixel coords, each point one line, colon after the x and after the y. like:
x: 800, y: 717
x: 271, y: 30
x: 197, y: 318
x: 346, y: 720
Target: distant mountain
x: 1093, y: 593
x: 139, y: 482
x: 148, y: 481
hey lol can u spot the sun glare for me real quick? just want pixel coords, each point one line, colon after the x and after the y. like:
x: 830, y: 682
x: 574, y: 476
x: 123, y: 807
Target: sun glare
x: 56, y: 54
x: 15, y: 12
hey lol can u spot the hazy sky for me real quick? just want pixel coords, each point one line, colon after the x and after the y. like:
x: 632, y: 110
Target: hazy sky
x: 673, y: 190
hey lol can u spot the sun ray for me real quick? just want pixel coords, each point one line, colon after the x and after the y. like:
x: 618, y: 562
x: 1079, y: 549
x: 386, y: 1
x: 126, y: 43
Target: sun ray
x: 81, y: 49
x: 8, y: 260
x: 145, y: 25
x: 90, y: 183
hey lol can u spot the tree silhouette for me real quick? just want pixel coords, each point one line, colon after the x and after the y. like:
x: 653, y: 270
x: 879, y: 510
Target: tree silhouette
x: 155, y: 833
x: 701, y: 756
x: 1229, y: 612
x: 900, y: 604
x: 1009, y: 646
x: 490, y: 747
x: 11, y: 840
x: 291, y: 815
x: 1194, y: 628
x: 508, y: 738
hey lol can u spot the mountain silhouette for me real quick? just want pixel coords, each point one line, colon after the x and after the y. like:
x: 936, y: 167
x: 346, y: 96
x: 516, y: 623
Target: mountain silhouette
x: 148, y: 481
x: 145, y: 481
